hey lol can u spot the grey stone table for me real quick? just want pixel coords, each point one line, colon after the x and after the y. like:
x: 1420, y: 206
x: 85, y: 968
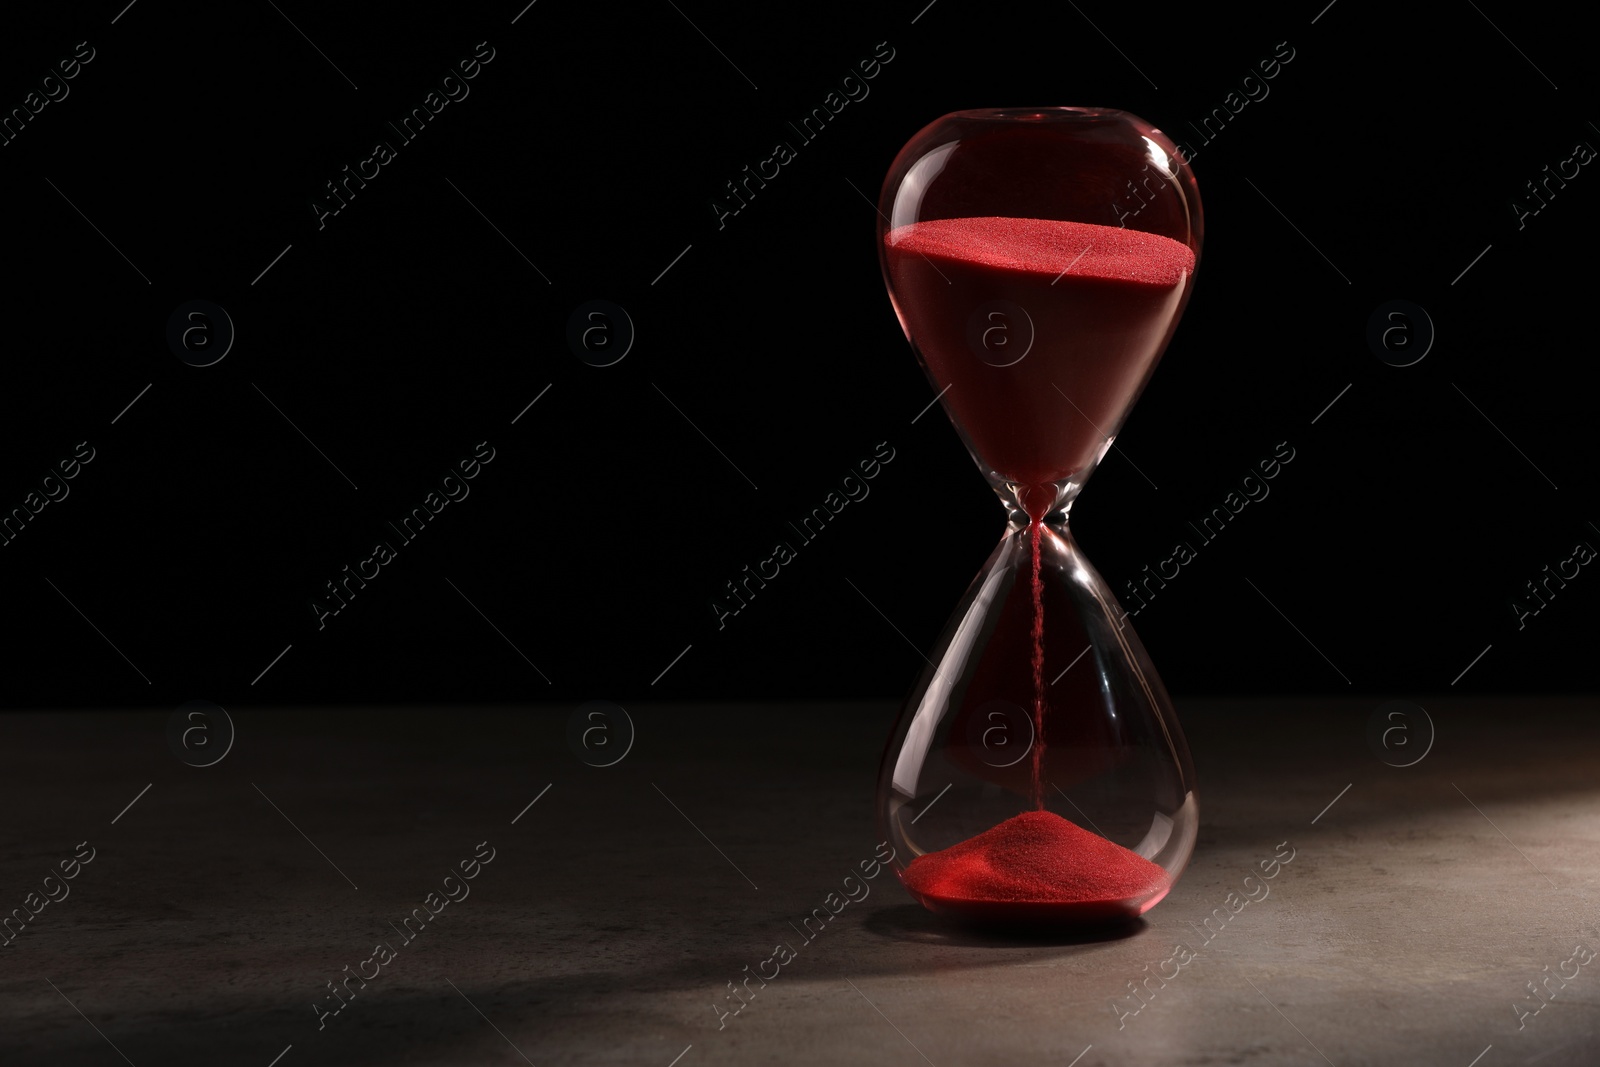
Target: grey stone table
x: 210, y: 908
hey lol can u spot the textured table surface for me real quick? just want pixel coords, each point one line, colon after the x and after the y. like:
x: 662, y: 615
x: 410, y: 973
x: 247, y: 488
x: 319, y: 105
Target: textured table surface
x: 1419, y: 903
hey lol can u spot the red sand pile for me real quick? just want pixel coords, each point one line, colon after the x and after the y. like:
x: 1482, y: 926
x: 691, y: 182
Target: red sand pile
x: 1046, y: 246
x: 1099, y: 303
x: 1036, y: 865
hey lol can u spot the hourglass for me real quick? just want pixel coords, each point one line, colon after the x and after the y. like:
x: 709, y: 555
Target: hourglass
x: 1039, y: 260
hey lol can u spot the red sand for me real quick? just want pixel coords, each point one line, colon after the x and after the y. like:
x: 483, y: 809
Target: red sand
x: 1102, y: 300
x: 1049, y: 246
x: 1036, y: 633
x: 1036, y: 865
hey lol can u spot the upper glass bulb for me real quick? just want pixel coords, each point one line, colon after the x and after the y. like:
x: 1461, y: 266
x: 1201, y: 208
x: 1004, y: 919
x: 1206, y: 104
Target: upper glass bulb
x: 1039, y: 260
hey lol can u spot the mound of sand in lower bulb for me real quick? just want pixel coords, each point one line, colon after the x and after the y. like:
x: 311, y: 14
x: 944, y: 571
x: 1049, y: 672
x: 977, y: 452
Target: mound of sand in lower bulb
x: 1036, y: 865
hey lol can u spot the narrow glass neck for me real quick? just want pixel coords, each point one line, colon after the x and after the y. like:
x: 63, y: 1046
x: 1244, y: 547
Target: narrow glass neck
x: 1050, y: 503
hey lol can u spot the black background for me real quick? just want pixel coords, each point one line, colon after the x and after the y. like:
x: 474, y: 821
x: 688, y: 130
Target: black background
x: 408, y: 330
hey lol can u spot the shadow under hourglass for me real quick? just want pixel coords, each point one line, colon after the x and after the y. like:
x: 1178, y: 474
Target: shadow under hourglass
x: 911, y: 922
